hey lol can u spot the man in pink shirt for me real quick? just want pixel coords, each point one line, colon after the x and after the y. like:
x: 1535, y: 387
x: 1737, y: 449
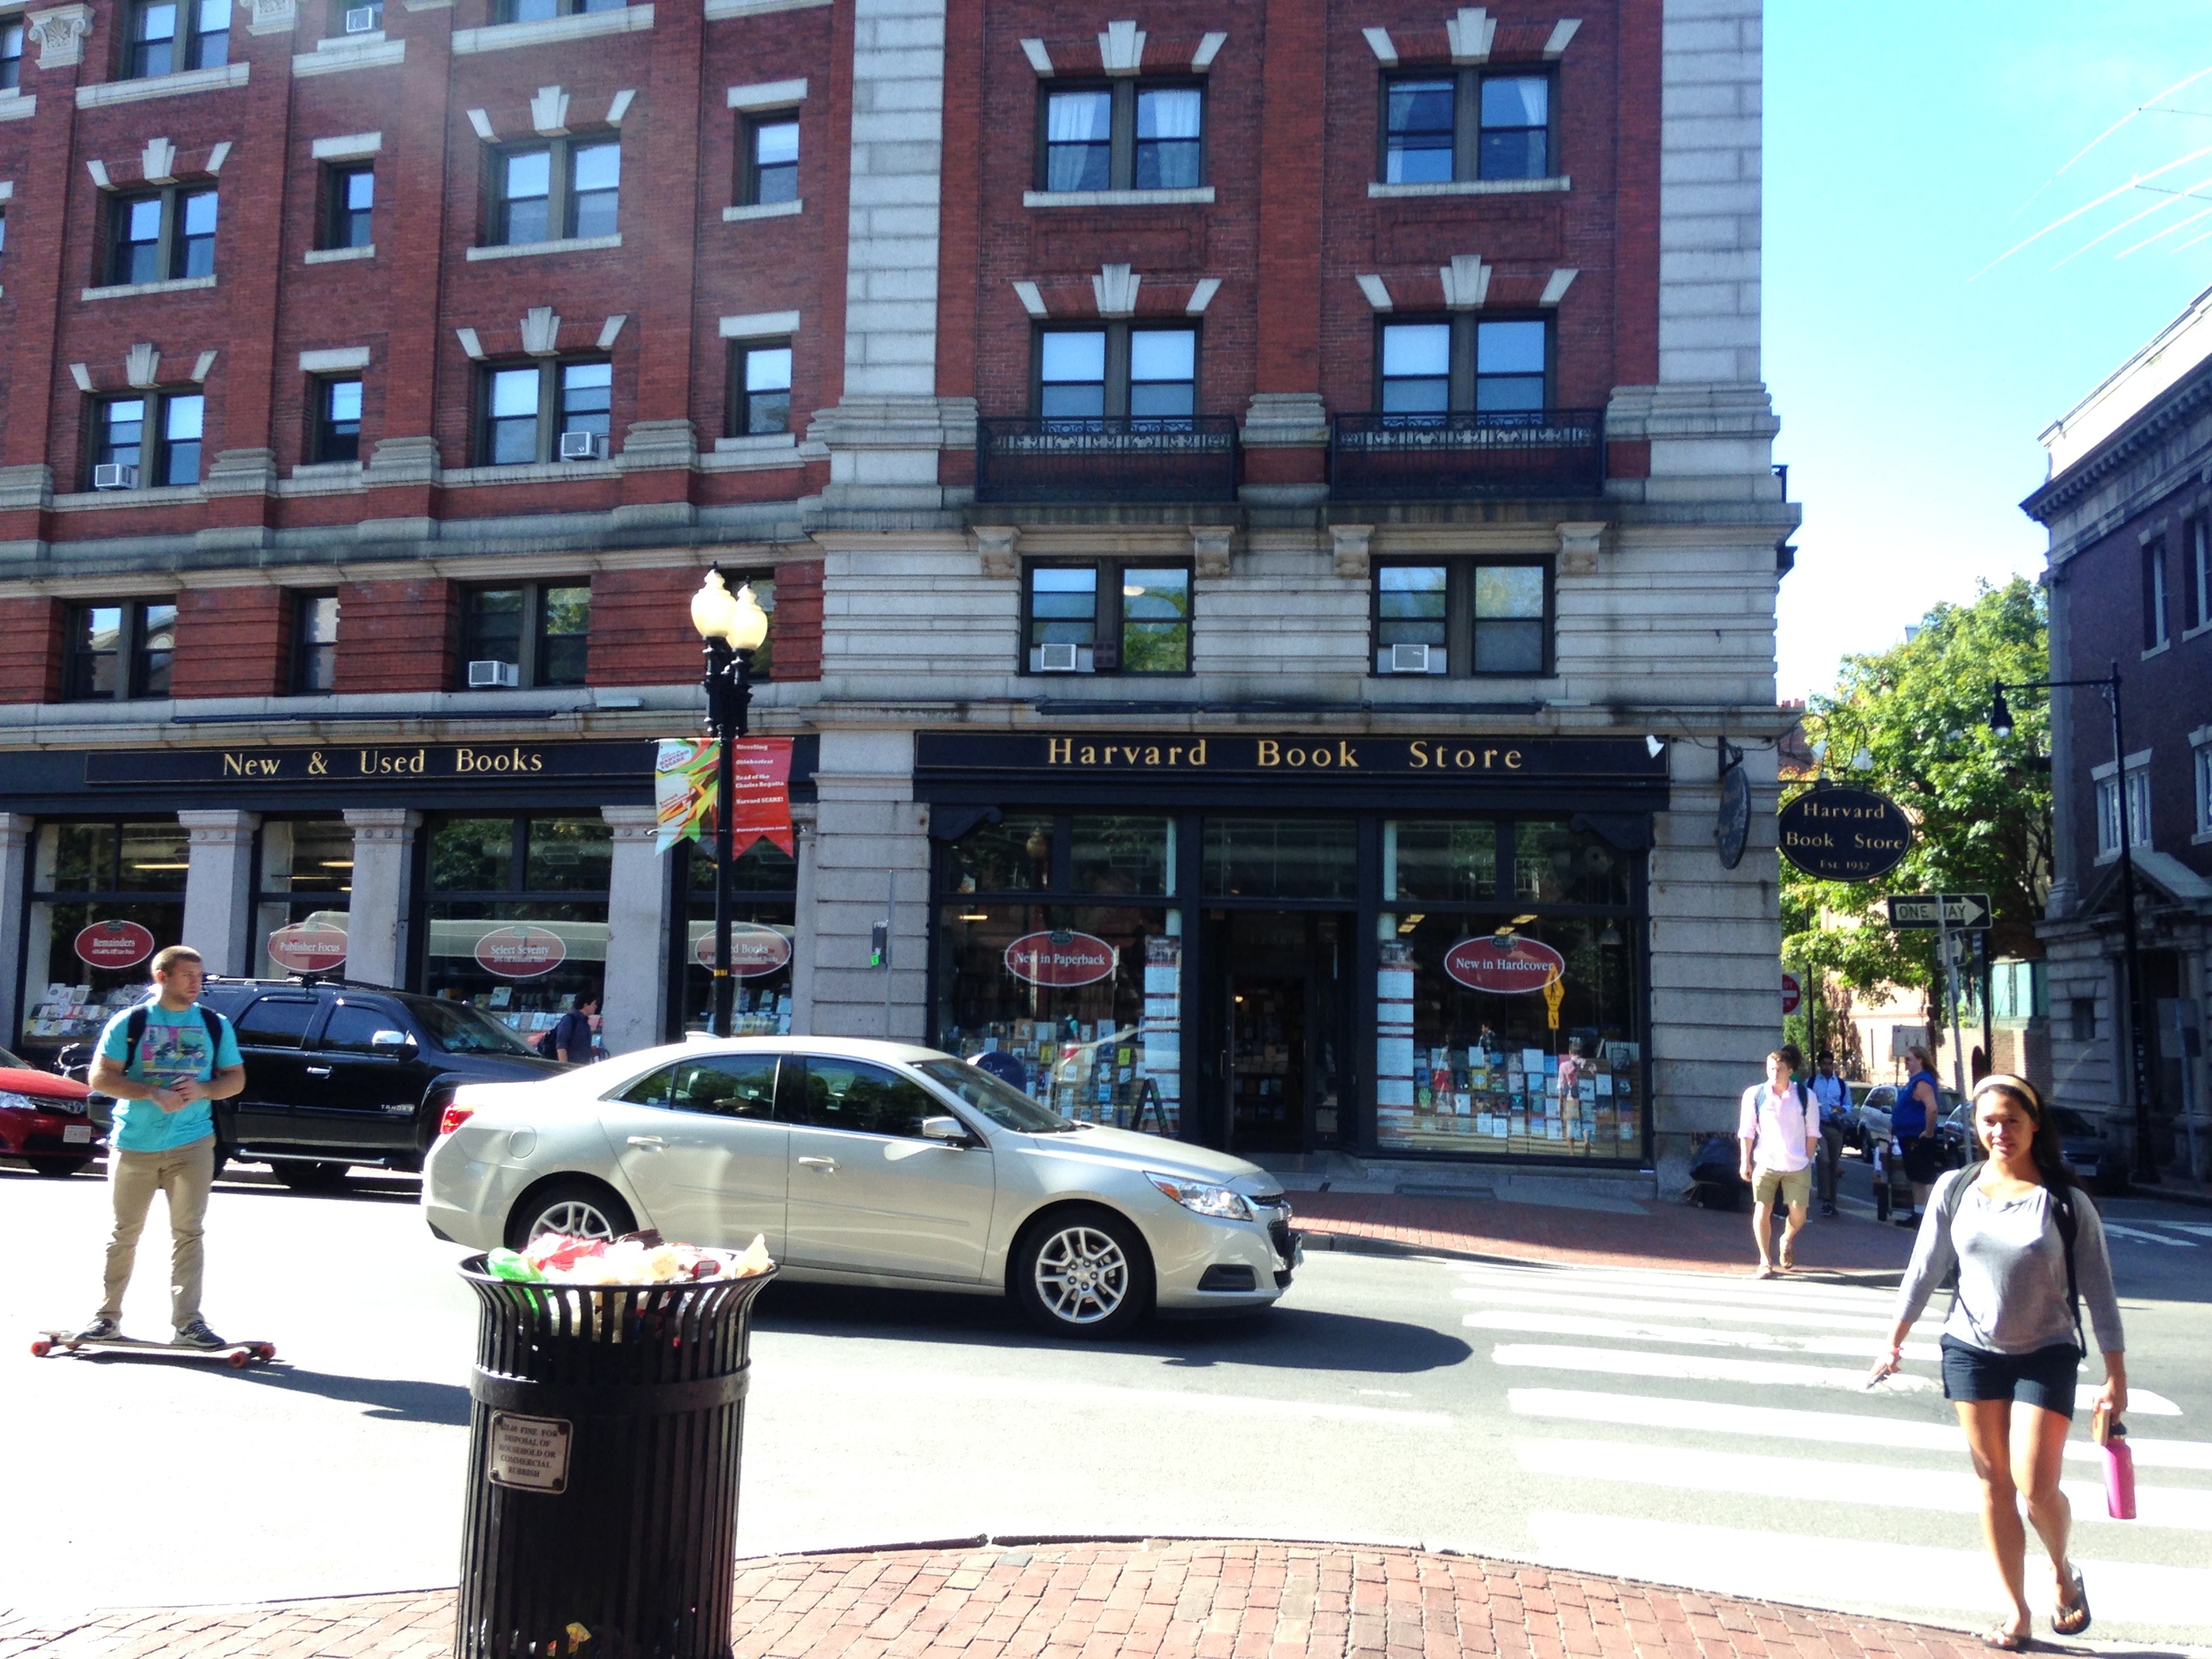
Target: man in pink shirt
x: 1779, y: 1129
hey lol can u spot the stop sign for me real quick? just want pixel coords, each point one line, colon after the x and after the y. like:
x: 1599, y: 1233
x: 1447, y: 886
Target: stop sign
x: 1791, y: 993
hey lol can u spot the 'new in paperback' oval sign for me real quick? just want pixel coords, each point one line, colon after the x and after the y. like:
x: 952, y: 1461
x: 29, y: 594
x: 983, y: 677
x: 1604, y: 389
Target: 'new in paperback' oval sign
x: 114, y: 945
x: 1060, y: 958
x: 1504, y: 963
x: 1844, y: 834
x: 521, y: 953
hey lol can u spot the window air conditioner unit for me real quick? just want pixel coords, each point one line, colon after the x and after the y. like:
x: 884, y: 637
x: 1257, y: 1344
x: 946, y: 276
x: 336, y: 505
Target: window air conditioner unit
x: 583, y: 446
x: 1055, y: 659
x: 361, y: 20
x: 485, y: 673
x: 1408, y: 659
x: 109, y: 475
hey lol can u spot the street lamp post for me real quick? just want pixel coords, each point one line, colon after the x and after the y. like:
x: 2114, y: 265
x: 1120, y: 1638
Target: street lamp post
x: 733, y: 625
x: 2130, y: 966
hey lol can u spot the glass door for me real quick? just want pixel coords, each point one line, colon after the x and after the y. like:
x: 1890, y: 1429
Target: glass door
x: 1276, y: 1021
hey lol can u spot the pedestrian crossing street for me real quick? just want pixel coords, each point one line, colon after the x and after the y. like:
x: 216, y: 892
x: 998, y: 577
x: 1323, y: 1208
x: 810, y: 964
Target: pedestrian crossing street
x: 1717, y: 1431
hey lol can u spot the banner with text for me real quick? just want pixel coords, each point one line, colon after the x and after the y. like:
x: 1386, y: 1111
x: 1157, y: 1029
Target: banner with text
x: 685, y: 786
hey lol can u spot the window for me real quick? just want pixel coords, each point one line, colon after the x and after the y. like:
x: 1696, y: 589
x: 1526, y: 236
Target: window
x: 771, y: 160
x: 552, y: 192
x: 277, y: 1022
x: 2154, y: 632
x: 349, y: 205
x: 170, y: 36
x: 2139, y: 809
x: 2204, y: 788
x: 560, y: 411
x: 1147, y: 375
x: 855, y: 1095
x: 4, y: 230
x: 1473, y: 616
x: 1437, y: 129
x: 2198, y: 575
x: 760, y: 386
x: 153, y: 438
x: 1497, y: 366
x: 539, y: 630
x: 11, y: 52
x: 1128, y: 136
x: 538, y: 10
x: 314, y: 643
x: 97, y: 875
x: 1107, y: 617
x: 337, y: 435
x: 514, y: 919
x: 2084, y: 1018
x: 729, y: 1086
x: 162, y: 236
x: 118, y: 650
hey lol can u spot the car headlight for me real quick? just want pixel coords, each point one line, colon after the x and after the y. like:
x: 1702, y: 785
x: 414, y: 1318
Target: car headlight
x: 1203, y: 1197
x: 11, y: 1102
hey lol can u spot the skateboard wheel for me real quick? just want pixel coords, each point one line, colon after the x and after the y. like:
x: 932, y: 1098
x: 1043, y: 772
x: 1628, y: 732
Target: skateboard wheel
x: 242, y: 1358
x: 264, y: 1350
x: 41, y: 1347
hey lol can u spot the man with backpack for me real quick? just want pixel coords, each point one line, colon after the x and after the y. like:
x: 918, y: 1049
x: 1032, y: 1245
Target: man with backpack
x: 1832, y: 1095
x: 570, y: 1039
x: 162, y: 1063
x: 1778, y: 1131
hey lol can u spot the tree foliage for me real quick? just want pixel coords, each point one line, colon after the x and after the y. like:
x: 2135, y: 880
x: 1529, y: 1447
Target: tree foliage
x: 1912, y: 723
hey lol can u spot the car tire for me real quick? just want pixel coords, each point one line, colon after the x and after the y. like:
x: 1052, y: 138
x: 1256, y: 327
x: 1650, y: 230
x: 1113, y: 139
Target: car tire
x: 312, y: 1176
x: 574, y: 1204
x: 1082, y: 1272
x: 58, y: 1169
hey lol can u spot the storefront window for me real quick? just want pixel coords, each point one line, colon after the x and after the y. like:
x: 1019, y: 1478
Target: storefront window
x: 105, y: 897
x: 1281, y: 859
x: 300, y: 911
x: 1012, y: 855
x: 1553, y: 864
x: 1123, y: 855
x: 764, y: 888
x: 1441, y: 860
x: 515, y: 920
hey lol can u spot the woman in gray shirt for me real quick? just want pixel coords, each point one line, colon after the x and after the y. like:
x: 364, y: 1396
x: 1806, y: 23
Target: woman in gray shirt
x: 2013, y: 1333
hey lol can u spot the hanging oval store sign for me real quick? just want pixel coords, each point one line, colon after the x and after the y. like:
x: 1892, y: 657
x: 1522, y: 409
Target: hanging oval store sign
x: 1504, y: 962
x: 1061, y: 958
x: 114, y: 945
x: 1843, y: 834
x: 754, y: 950
x: 520, y: 953
x: 308, y: 948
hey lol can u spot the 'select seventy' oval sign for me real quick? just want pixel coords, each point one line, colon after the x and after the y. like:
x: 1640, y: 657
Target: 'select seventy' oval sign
x: 1061, y: 958
x: 1504, y: 963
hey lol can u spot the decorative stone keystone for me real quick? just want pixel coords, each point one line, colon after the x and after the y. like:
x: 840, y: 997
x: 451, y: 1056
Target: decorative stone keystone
x: 1579, y: 545
x: 1466, y: 281
x: 1121, y: 47
x: 541, y: 331
x: 1209, y: 546
x: 1115, y: 287
x: 60, y: 35
x: 159, y: 160
x: 998, y: 546
x: 272, y: 17
x: 1350, y: 543
x: 141, y: 365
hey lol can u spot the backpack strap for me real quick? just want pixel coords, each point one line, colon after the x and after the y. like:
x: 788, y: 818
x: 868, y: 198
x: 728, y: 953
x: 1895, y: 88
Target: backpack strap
x: 134, y: 1030
x: 1956, y: 1194
x: 2068, y: 1225
x: 213, y: 1021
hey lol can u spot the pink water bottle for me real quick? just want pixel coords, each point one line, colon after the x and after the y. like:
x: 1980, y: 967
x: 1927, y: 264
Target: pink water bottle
x: 2119, y: 1473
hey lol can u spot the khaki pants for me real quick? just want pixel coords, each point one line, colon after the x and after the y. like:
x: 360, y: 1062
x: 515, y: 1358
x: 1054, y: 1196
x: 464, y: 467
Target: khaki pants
x: 183, y: 1175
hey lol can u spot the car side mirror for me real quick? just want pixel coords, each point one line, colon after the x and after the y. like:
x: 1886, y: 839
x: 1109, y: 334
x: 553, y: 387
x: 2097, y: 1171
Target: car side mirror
x: 392, y: 1042
x: 947, y: 1128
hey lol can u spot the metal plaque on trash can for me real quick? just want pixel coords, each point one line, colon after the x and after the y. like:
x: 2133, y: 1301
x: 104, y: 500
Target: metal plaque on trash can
x: 529, y: 1453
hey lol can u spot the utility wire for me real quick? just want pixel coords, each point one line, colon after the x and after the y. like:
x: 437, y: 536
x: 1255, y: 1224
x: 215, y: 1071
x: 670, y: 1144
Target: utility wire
x: 2134, y: 182
x: 2146, y: 106
x: 2166, y: 200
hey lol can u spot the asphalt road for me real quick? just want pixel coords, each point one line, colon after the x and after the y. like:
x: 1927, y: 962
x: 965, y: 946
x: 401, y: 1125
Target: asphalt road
x: 1679, y: 1427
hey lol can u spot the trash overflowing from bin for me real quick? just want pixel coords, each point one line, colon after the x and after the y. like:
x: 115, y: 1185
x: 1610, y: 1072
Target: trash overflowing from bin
x: 636, y: 1258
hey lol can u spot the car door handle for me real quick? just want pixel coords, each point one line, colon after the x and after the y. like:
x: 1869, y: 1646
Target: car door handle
x: 318, y: 1071
x: 828, y: 1166
x: 648, y: 1141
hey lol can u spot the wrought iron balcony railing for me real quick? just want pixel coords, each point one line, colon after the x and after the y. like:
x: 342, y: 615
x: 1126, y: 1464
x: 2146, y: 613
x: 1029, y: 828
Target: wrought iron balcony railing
x: 1467, y: 456
x: 1106, y: 458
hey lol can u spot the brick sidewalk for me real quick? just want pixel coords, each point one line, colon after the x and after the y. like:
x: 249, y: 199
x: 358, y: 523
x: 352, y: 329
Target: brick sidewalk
x: 1096, y: 1601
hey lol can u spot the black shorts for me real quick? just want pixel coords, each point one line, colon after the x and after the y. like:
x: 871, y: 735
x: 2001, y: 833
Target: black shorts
x: 1923, y: 1160
x: 2045, y: 1377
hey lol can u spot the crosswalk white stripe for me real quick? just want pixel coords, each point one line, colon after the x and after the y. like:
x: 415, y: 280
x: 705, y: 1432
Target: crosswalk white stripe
x: 1565, y: 1299
x: 1657, y: 1411
x: 1532, y: 1322
x: 1853, y: 1574
x: 2201, y: 1229
x: 1699, y: 1368
x: 2120, y: 1230
x: 927, y: 1384
x: 1764, y: 1293
x: 1760, y: 1474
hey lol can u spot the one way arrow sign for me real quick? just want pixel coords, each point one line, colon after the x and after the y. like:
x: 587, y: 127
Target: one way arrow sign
x: 1934, y: 910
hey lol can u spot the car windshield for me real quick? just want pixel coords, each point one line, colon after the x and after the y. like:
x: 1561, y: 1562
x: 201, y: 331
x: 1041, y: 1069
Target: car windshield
x: 11, y: 1062
x: 460, y: 1029
x: 1001, y: 1102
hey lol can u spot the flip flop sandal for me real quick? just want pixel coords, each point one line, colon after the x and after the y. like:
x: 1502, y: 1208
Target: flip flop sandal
x: 1789, y: 1260
x: 1764, y: 1273
x: 2072, y: 1617
x: 2005, y: 1640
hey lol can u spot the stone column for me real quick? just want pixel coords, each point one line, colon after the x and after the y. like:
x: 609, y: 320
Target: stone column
x: 635, y: 1007
x: 218, y: 889
x: 15, y: 863
x: 376, y: 944
x: 805, y: 826
x: 873, y: 832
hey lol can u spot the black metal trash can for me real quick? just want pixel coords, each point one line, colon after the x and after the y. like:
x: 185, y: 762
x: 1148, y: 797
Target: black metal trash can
x: 606, y: 1435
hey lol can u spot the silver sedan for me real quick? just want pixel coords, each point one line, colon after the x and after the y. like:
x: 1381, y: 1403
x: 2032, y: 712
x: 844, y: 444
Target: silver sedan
x: 865, y: 1163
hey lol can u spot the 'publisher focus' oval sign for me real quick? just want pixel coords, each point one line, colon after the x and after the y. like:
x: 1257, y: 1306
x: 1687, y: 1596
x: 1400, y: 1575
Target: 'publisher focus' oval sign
x: 1060, y: 958
x: 1504, y: 962
x: 521, y: 953
x: 308, y: 948
x: 114, y: 945
x: 1844, y: 834
x: 755, y: 951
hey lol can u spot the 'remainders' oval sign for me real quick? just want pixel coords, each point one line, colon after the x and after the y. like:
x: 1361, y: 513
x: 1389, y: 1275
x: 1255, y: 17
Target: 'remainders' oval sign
x: 1061, y: 958
x: 114, y: 945
x: 521, y: 953
x: 1504, y: 963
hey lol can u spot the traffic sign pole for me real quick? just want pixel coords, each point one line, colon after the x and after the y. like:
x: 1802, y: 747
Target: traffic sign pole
x: 1951, y: 994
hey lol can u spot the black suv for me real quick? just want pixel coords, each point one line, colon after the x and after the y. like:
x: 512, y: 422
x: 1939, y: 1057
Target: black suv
x: 340, y: 1074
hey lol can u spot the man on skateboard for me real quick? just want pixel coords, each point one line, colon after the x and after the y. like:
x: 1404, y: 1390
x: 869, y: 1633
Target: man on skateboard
x: 162, y: 1062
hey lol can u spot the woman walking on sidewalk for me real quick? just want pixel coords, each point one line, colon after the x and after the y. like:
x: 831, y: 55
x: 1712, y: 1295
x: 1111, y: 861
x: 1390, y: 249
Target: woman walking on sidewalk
x: 2029, y: 1248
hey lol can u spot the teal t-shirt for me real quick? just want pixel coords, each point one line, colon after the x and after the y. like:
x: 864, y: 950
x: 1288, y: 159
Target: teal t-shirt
x: 172, y: 1047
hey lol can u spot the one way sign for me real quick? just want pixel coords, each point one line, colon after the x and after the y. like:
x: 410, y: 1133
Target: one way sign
x: 1933, y: 909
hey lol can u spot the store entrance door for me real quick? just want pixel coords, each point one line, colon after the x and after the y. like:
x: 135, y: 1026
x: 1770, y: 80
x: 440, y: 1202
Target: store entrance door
x: 1275, y: 1029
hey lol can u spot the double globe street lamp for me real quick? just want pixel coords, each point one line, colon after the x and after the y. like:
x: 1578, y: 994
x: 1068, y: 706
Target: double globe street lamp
x: 735, y: 626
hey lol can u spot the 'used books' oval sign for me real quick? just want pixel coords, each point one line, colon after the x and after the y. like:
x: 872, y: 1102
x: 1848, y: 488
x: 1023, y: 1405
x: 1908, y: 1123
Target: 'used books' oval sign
x: 1844, y: 834
x: 755, y: 951
x: 1060, y: 958
x: 521, y: 953
x: 1504, y: 963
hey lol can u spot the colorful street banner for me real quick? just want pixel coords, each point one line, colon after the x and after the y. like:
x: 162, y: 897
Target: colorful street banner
x: 684, y: 789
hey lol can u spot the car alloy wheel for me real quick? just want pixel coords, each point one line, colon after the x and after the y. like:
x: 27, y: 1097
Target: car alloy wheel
x: 1082, y: 1275
x: 578, y: 1217
x: 576, y: 1205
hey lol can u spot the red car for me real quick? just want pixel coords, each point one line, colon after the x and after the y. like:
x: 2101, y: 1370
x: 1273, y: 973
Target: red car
x: 43, y: 1120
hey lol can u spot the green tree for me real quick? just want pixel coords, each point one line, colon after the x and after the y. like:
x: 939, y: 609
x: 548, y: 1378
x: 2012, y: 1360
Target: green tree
x: 1912, y: 722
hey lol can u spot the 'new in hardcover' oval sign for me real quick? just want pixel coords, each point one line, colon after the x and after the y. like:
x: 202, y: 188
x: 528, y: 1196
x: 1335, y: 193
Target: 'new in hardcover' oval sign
x: 1060, y: 958
x: 1504, y: 963
x: 308, y: 948
x: 521, y: 953
x: 114, y: 944
x: 1844, y: 834
x: 755, y: 951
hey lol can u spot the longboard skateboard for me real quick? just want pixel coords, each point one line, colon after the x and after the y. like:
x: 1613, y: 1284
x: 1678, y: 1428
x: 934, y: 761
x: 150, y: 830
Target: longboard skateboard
x: 236, y: 1355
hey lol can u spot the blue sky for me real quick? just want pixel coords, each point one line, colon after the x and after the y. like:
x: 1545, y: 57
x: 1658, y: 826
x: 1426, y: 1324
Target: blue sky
x: 1903, y: 146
